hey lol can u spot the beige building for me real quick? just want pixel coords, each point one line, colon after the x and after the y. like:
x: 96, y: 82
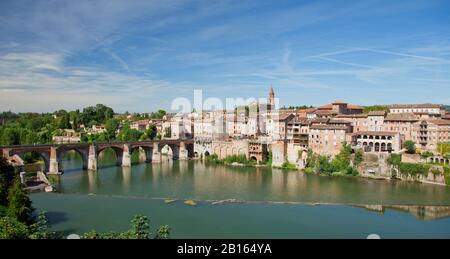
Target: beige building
x: 139, y: 125
x: 428, y: 133
x: 327, y: 139
x: 432, y: 109
x: 359, y: 122
x: 375, y: 120
x: 298, y: 132
x: 336, y: 108
x: 401, y: 123
x: 377, y: 141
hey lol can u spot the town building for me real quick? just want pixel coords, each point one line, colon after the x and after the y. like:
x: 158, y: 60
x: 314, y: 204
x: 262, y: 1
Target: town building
x: 327, y: 139
x: 377, y: 141
x: 432, y: 109
x: 428, y: 133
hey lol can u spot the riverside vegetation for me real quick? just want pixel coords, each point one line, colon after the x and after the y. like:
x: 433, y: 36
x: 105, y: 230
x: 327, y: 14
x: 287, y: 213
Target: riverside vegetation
x: 343, y: 164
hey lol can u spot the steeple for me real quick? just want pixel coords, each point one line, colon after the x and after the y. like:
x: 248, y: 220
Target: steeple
x: 271, y: 96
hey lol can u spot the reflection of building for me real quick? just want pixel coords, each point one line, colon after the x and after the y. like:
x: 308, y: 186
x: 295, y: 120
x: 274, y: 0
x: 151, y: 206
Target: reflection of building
x: 424, y: 212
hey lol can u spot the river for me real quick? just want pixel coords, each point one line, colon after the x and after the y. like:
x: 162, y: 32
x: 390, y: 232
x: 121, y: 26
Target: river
x: 268, y: 203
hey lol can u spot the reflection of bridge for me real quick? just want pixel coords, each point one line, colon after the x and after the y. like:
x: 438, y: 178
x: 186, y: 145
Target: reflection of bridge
x: 149, y: 151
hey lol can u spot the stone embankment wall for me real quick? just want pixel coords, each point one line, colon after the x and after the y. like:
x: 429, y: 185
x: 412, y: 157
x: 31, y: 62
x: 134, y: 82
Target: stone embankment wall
x: 375, y: 166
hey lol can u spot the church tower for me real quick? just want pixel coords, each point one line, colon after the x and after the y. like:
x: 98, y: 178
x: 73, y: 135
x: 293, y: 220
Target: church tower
x: 271, y: 98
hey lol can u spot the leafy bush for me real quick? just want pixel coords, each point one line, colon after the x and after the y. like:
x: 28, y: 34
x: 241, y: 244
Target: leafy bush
x: 410, y: 147
x: 426, y: 154
x: 288, y: 166
x: 395, y: 159
x: 414, y: 169
x: 447, y: 175
x: 359, y: 157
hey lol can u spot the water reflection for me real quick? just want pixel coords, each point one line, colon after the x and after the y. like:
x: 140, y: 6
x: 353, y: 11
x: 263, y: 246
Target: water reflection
x: 205, y: 181
x: 419, y: 211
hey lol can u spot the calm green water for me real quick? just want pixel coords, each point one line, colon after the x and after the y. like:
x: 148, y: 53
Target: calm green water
x: 107, y: 199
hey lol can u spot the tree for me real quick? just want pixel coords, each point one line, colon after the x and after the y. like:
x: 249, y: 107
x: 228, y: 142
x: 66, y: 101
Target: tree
x: 11, y: 228
x: 127, y: 134
x: 359, y: 157
x: 373, y: 108
x: 140, y: 228
x: 163, y: 232
x: 6, y: 179
x: 151, y: 131
x: 410, y: 147
x: 111, y: 127
x: 19, y: 204
x: 158, y: 115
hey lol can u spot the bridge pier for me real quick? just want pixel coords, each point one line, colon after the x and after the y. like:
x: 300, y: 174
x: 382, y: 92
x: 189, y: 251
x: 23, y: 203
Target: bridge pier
x: 183, y: 152
x: 145, y: 156
x: 53, y: 166
x: 92, y: 158
x: 126, y: 155
x: 156, y: 155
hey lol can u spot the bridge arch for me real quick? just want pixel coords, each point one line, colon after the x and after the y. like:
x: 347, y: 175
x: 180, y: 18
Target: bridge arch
x: 44, y: 155
x: 145, y: 153
x: 118, y: 151
x: 83, y: 153
x: 173, y: 150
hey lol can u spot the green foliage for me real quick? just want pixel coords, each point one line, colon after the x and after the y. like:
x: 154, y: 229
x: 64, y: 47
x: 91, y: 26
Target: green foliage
x: 443, y: 148
x: 447, y: 175
x: 269, y: 159
x: 7, y: 175
x: 33, y: 128
x: 111, y: 127
x: 395, y: 159
x: 410, y: 146
x: 374, y: 108
x: 11, y: 228
x: 99, y: 137
x: 151, y: 132
x: 426, y: 154
x: 140, y: 229
x: 311, y: 159
x: 241, y: 159
x: 359, y: 157
x: 163, y: 232
x: 414, y: 169
x: 31, y: 157
x: 127, y: 134
x: 40, y: 229
x: 288, y: 166
x: 340, y: 165
x: 214, y: 158
x: 158, y: 115
x: 300, y: 107
x: 19, y: 204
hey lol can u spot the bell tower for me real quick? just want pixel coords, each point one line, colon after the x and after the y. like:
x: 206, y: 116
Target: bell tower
x: 271, y: 98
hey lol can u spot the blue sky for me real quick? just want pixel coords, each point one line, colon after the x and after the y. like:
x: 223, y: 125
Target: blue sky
x: 139, y: 55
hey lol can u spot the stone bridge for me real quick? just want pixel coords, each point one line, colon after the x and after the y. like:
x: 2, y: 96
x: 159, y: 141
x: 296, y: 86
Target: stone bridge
x: 149, y: 151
